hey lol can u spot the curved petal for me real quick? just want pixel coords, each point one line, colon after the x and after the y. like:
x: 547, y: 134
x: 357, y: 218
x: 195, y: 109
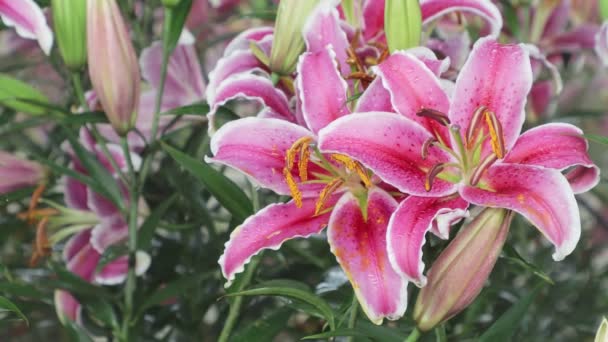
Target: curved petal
x: 242, y: 61
x: 322, y: 29
x: 433, y: 9
x: 28, y: 20
x: 373, y: 19
x: 269, y: 228
x: 601, y: 43
x: 184, y: 81
x: 408, y: 226
x: 322, y: 91
x: 557, y: 146
x: 116, y: 271
x: 360, y: 248
x: 430, y: 60
x: 582, y: 37
x: 541, y: 195
x: 242, y: 41
x: 413, y: 87
x: 66, y: 306
x: 84, y: 262
x: 75, y: 194
x: 109, y: 232
x: 257, y: 147
x: 496, y: 76
x: 254, y: 88
x: 391, y: 146
x: 375, y: 98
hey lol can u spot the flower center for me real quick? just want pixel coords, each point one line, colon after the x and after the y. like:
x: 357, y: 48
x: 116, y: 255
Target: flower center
x: 471, y: 165
x: 336, y: 172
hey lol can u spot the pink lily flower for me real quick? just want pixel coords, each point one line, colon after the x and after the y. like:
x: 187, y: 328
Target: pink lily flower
x: 17, y: 173
x: 326, y: 190
x: 29, y: 21
x: 474, y: 154
x: 241, y: 74
x: 99, y: 225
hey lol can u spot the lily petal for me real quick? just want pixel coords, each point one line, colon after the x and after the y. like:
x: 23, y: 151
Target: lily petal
x: 84, y: 262
x: 375, y: 98
x: 433, y: 9
x: 498, y: 77
x: 67, y: 307
x: 241, y: 61
x: 184, y: 81
x: 557, y: 146
x: 116, y: 271
x: 269, y: 228
x: 390, y: 145
x: 75, y: 244
x: 413, y: 87
x: 360, y: 248
x: 257, y: 147
x: 541, y: 195
x: 109, y: 232
x: 430, y: 60
x: 323, y: 28
x: 254, y: 88
x: 28, y: 20
x: 242, y: 41
x: 322, y: 89
x: 373, y: 19
x: 408, y: 226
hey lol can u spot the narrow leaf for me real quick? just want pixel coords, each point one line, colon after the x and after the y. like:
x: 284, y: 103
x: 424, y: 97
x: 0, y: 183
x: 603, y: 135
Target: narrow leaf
x: 507, y: 324
x: 14, y: 93
x: 193, y: 109
x: 10, y: 306
x: 176, y: 17
x: 146, y: 231
x: 600, y: 139
x: 265, y: 328
x: 222, y: 188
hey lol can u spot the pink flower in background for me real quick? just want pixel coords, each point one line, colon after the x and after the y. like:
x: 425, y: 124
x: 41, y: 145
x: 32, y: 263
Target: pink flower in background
x: 473, y: 154
x: 17, y: 173
x: 28, y: 20
x: 99, y: 225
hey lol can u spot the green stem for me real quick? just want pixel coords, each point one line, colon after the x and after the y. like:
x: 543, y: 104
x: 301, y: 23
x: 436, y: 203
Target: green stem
x: 235, y: 306
x: 77, y: 82
x: 132, y: 241
x: 354, y: 308
x: 414, y: 335
x: 163, y: 72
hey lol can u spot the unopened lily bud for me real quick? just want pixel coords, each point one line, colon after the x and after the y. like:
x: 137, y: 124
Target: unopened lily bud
x: 461, y: 270
x: 288, y: 41
x: 170, y: 3
x: 17, y: 173
x: 603, y: 4
x: 113, y: 65
x: 70, y: 23
x: 602, y: 331
x: 402, y: 24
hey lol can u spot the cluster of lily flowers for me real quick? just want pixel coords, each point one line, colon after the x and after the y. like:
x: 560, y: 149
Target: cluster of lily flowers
x: 376, y: 141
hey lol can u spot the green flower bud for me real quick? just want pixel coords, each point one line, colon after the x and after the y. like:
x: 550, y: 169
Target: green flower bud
x: 402, y: 24
x: 170, y: 3
x: 603, y: 5
x: 288, y: 41
x: 70, y: 23
x: 459, y: 273
x: 602, y: 331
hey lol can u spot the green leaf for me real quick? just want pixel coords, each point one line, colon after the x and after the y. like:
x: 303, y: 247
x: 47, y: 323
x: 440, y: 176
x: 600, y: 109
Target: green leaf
x: 85, y: 118
x: 77, y: 333
x: 101, y: 310
x: 365, y: 330
x: 513, y: 256
x: 222, y: 188
x: 22, y: 290
x: 10, y: 306
x: 265, y: 328
x: 294, y: 293
x: 504, y: 328
x: 146, y: 231
x: 108, y: 187
x: 14, y: 94
x: 193, y: 109
x: 70, y: 282
x: 175, y: 17
x: 600, y: 139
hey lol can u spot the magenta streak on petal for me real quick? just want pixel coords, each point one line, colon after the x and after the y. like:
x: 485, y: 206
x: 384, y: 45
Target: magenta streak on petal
x: 408, y: 226
x: 360, y: 248
x: 558, y: 146
x: 84, y: 262
x: 28, y: 20
x: 375, y: 98
x: 67, y: 306
x: 269, y: 228
x: 242, y: 41
x: 390, y: 145
x: 540, y: 194
x: 498, y: 77
x: 373, y: 18
x: 322, y: 89
x: 238, y: 62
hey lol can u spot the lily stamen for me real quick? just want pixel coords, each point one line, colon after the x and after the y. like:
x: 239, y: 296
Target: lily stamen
x: 436, y: 115
x: 431, y: 175
x: 326, y: 192
x: 474, y: 125
x: 481, y: 168
x: 496, y: 135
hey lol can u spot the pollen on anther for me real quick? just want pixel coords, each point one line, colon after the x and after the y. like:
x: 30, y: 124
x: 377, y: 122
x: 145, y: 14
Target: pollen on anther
x: 293, y: 187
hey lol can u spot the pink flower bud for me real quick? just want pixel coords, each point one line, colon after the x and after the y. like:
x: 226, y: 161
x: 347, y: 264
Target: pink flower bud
x: 113, y: 65
x: 17, y: 173
x: 461, y: 270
